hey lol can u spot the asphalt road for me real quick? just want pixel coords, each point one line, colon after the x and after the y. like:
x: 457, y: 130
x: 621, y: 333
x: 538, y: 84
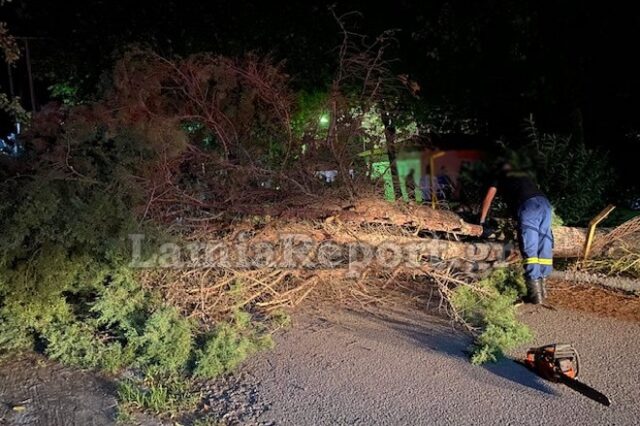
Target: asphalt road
x: 406, y: 367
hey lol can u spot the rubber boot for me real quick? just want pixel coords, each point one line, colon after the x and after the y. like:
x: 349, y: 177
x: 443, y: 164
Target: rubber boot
x: 534, y: 291
x: 543, y: 288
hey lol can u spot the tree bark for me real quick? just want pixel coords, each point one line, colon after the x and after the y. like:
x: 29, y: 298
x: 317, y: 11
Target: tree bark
x: 568, y: 242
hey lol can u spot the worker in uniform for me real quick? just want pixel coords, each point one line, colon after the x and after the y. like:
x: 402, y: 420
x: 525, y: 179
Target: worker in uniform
x: 532, y: 210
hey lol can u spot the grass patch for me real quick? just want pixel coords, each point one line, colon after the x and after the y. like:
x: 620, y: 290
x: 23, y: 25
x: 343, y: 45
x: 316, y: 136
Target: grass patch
x: 162, y: 395
x: 626, y: 265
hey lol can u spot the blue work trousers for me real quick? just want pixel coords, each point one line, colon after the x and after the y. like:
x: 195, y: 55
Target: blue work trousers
x: 535, y: 237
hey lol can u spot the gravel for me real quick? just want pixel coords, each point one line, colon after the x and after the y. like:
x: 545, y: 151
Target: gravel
x: 234, y: 400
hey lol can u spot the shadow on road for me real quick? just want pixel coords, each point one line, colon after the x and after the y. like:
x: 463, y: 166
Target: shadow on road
x: 516, y: 373
x: 435, y: 334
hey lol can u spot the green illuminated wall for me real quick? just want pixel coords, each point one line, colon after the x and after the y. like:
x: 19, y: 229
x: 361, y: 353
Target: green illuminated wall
x: 406, y: 162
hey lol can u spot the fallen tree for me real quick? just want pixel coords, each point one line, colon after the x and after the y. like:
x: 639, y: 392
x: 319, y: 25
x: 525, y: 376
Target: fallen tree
x: 569, y: 242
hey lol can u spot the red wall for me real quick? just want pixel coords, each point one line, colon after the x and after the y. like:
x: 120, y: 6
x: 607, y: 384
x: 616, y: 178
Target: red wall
x: 452, y: 162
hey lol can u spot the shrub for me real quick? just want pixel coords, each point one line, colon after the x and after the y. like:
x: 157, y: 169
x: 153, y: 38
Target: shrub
x: 576, y: 178
x: 77, y: 343
x: 69, y: 204
x: 166, y: 342
x: 60, y: 250
x: 65, y: 282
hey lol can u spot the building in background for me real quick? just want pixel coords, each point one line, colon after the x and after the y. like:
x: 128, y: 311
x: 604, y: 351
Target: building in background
x: 418, y: 182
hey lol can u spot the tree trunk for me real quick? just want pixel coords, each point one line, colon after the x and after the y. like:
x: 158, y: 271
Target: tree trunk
x: 390, y: 137
x: 569, y: 242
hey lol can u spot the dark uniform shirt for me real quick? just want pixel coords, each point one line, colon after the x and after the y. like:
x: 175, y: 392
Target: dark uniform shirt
x: 515, y: 188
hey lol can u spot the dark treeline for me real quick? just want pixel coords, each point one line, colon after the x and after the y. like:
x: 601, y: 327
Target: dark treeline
x: 571, y: 64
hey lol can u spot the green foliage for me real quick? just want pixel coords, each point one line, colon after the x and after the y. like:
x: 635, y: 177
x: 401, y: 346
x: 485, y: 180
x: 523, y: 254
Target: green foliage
x: 80, y: 343
x: 229, y: 345
x: 309, y: 118
x: 489, y: 307
x: 65, y: 278
x: 13, y: 339
x: 166, y: 349
x: 556, y: 220
x: 63, y: 254
x: 67, y: 208
x: 166, y: 342
x: 122, y: 302
x: 14, y: 109
x: 63, y: 244
x: 576, y: 178
x: 66, y: 92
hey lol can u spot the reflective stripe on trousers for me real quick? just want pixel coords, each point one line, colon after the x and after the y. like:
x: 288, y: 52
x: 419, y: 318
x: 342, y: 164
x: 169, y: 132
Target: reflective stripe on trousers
x: 535, y: 237
x: 538, y: 260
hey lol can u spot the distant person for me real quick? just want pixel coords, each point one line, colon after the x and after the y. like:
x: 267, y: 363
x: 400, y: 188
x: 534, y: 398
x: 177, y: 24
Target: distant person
x: 410, y: 184
x: 445, y: 185
x: 425, y: 185
x: 532, y: 210
x: 442, y: 185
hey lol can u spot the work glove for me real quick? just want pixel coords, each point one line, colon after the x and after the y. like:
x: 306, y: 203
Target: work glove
x: 487, y: 231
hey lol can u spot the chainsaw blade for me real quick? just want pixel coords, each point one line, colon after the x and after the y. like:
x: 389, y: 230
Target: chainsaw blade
x: 585, y: 390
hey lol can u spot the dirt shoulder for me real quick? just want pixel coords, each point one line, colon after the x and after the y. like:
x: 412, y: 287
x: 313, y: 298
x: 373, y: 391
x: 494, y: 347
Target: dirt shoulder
x: 38, y: 392
x: 600, y: 301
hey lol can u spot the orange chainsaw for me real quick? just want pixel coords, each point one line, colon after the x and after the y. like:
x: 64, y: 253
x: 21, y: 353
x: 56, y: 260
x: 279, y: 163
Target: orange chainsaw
x: 560, y: 362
